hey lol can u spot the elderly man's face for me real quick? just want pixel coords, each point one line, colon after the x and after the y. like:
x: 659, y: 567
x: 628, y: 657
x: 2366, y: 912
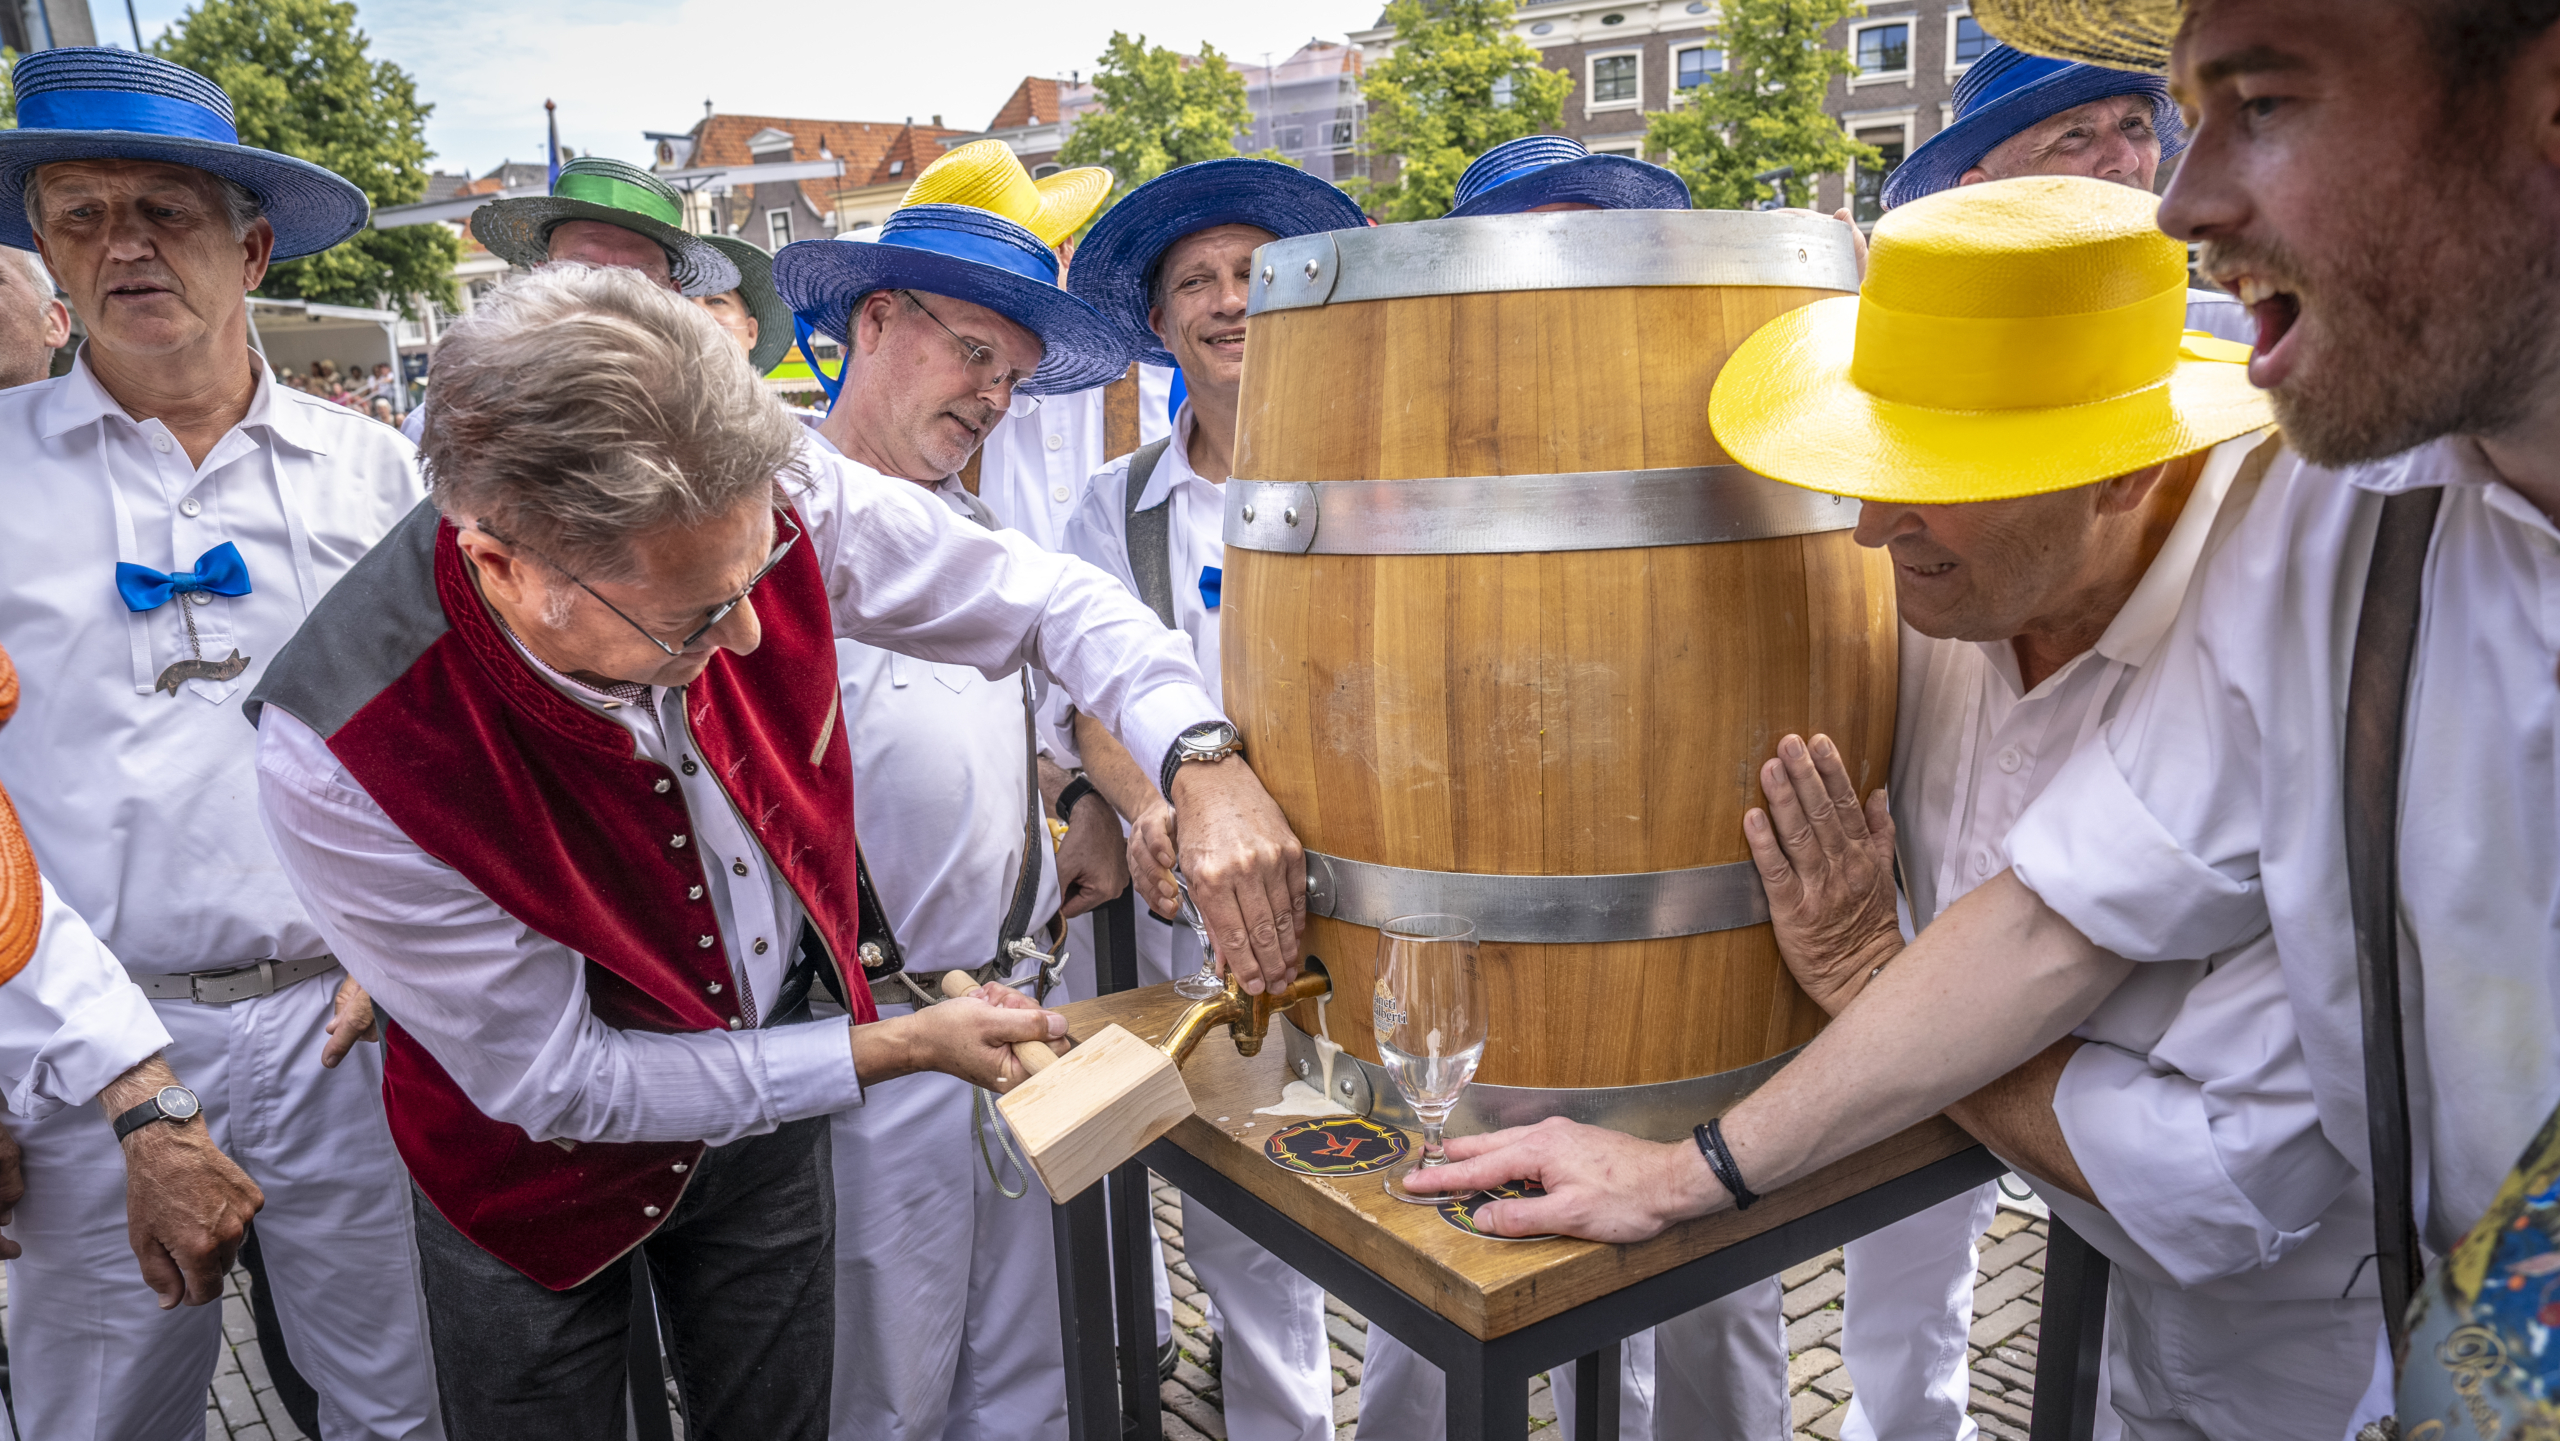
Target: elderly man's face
x: 1206, y: 279
x: 147, y: 253
x: 729, y: 308
x: 32, y: 323
x: 2399, y: 247
x: 593, y: 242
x: 2110, y: 139
x: 1993, y: 569
x: 938, y: 372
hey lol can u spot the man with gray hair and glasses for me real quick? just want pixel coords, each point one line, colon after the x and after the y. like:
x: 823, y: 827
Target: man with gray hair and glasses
x: 565, y: 779
x: 168, y: 517
x: 33, y: 323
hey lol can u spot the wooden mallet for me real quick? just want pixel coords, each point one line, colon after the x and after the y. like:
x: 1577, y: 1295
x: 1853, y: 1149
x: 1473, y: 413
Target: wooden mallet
x: 1083, y: 1113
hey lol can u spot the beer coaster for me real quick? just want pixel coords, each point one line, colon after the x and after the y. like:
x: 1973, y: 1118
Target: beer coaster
x: 1336, y: 1146
x: 1460, y: 1211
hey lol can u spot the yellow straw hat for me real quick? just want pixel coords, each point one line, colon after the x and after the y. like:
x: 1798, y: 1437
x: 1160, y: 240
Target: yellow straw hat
x: 2013, y: 337
x: 2124, y: 34
x: 986, y: 174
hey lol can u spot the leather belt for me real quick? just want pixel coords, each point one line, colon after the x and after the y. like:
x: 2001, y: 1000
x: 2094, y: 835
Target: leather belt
x: 239, y: 983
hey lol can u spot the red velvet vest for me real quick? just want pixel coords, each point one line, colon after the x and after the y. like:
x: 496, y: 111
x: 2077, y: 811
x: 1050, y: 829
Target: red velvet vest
x: 541, y: 804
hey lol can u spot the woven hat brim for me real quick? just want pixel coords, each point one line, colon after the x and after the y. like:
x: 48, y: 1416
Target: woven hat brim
x: 310, y: 206
x: 518, y: 232
x: 755, y: 286
x: 1112, y: 264
x: 821, y: 279
x: 1067, y: 200
x: 1942, y: 159
x: 2121, y: 34
x: 1612, y: 182
x: 1785, y: 407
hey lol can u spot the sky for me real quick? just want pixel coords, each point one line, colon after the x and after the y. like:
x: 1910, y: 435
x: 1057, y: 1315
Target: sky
x: 618, y: 69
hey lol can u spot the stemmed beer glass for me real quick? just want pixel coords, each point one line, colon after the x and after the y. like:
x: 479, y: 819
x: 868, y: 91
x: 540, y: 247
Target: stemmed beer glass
x: 1429, y: 1015
x: 1205, y: 982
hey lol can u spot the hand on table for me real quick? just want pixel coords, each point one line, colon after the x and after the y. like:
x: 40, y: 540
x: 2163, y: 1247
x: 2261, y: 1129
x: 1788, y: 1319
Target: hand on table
x: 1827, y: 865
x: 186, y: 1205
x: 1247, y: 872
x: 1601, y: 1185
x: 351, y: 1020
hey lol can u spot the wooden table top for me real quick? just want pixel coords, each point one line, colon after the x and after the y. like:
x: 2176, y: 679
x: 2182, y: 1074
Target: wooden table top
x: 1487, y: 1288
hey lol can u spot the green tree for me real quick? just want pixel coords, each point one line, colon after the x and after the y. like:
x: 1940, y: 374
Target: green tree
x: 1159, y: 109
x: 1765, y: 110
x: 299, y: 77
x: 8, y: 92
x: 1458, y: 84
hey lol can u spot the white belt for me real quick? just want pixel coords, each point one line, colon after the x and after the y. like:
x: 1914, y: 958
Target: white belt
x: 239, y: 983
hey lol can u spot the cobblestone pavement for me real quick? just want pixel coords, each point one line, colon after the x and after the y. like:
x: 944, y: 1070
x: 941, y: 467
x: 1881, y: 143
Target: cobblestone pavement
x: 2007, y: 1292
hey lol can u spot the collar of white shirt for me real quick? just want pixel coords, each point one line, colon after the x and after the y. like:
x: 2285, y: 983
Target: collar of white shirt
x: 82, y: 400
x: 2453, y: 461
x: 1175, y: 468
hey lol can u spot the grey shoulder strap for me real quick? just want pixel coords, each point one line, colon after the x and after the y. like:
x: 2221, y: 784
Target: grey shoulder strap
x: 2377, y: 703
x: 1150, y: 537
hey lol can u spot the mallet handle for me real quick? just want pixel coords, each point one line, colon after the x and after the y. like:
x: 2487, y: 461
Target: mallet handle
x: 1034, y: 1056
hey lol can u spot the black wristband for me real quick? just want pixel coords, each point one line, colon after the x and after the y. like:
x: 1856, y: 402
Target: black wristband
x: 1720, y: 1160
x: 1078, y: 789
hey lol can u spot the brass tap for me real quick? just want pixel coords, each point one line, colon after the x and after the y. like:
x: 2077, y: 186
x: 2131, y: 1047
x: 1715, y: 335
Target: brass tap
x: 1247, y: 1018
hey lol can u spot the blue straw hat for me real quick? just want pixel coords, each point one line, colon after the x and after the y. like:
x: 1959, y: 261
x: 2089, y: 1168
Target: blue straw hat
x: 1115, y: 265
x: 1537, y: 170
x: 91, y: 103
x: 2004, y: 93
x: 965, y: 253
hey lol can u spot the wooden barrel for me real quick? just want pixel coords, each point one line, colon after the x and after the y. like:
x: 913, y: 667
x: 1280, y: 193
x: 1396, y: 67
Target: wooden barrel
x: 1508, y: 635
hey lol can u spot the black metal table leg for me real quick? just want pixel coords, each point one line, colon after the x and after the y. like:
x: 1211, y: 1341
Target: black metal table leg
x: 1082, y: 1238
x: 644, y: 1360
x: 1485, y: 1403
x: 2070, y: 1337
x: 1595, y: 1394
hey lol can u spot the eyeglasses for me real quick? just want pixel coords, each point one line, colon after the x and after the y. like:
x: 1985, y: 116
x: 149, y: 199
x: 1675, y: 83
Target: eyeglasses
x: 980, y: 360
x: 718, y: 614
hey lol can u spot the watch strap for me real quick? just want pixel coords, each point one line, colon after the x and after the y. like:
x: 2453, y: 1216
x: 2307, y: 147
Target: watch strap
x: 137, y: 1117
x: 1078, y: 789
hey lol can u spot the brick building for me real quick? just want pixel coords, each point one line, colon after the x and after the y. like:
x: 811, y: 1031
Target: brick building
x: 880, y: 159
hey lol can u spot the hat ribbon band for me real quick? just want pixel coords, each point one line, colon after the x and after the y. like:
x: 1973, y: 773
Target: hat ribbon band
x: 615, y: 194
x: 985, y: 250
x: 123, y: 110
x: 1954, y: 362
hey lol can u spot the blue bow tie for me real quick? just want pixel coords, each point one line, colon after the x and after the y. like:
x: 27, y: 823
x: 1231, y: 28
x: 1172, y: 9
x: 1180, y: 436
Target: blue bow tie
x: 1212, y: 582
x: 219, y: 570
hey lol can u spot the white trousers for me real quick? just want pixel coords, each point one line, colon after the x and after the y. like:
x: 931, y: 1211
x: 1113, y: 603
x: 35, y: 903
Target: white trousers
x: 2185, y: 1367
x: 946, y: 1291
x: 1718, y: 1373
x: 94, y: 1358
x: 1905, y: 1320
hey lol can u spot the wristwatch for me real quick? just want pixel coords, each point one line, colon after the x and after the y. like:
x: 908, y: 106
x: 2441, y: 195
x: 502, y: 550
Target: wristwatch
x: 1078, y: 789
x: 1207, y: 741
x: 174, y: 1104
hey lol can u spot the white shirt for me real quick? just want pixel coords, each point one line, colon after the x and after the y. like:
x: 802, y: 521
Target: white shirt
x: 71, y: 1020
x: 2219, y: 314
x: 941, y: 792
x: 2191, y: 1114
x: 504, y: 1010
x: 1196, y: 536
x: 142, y: 806
x: 1033, y: 468
x: 2213, y: 809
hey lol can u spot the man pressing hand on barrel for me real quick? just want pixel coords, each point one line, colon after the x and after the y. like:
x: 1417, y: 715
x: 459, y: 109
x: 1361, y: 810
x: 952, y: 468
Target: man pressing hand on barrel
x: 1171, y: 266
x: 2175, y: 1129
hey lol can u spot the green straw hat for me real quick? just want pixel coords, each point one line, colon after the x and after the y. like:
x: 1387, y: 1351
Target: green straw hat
x: 755, y: 283
x: 592, y: 188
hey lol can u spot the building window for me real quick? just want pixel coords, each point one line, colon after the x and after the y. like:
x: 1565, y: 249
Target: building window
x: 1883, y: 50
x: 1965, y: 41
x: 897, y: 167
x: 777, y: 225
x: 1697, y: 63
x: 1502, y: 88
x: 1290, y: 137
x: 1337, y: 132
x: 1613, y: 80
x: 1867, y: 183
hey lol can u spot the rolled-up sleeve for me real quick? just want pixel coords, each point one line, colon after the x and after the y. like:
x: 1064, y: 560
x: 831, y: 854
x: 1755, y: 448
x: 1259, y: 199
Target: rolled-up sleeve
x: 2207, y: 1152
x: 71, y: 1020
x: 504, y: 1009
x: 905, y: 574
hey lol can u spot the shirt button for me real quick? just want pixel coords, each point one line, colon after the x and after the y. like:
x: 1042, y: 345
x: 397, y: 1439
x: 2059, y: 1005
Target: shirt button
x: 739, y: 866
x: 191, y: 507
x: 1059, y: 494
x: 676, y: 841
x: 1057, y: 442
x: 2010, y: 760
x: 761, y: 947
x: 713, y: 988
x: 160, y: 443
x: 661, y: 786
x: 688, y: 767
x: 199, y: 597
x: 737, y: 1024
x: 649, y: 1211
x: 705, y: 943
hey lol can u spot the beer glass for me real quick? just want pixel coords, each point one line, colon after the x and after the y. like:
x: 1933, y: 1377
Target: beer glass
x: 1205, y: 982
x: 1429, y: 1014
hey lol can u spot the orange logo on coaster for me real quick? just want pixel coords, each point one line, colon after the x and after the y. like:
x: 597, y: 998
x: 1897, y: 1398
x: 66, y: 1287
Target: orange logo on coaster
x: 1336, y: 1146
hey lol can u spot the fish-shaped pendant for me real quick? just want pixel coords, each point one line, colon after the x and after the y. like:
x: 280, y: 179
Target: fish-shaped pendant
x: 181, y: 672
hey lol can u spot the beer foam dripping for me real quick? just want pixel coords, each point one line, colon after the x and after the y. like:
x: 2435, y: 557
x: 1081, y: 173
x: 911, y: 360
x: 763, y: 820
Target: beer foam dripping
x: 1301, y: 1099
